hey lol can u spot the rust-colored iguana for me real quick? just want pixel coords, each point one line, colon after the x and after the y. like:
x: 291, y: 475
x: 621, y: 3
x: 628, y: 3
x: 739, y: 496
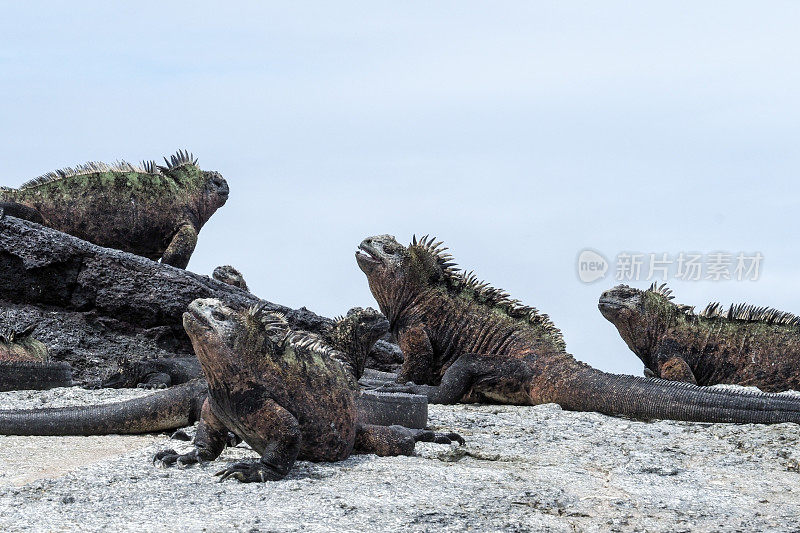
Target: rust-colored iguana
x: 287, y: 394
x: 149, y: 210
x: 351, y: 336
x: 466, y: 341
x: 743, y: 345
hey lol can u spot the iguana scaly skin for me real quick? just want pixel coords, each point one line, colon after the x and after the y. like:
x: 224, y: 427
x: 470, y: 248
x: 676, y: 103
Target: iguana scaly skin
x: 465, y: 341
x: 25, y: 364
x: 231, y: 276
x: 153, y: 373
x: 22, y: 346
x: 286, y: 394
x: 745, y: 345
x: 352, y: 336
x: 149, y: 210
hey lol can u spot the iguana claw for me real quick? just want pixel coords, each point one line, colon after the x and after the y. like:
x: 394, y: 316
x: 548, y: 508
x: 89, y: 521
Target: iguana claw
x: 171, y: 457
x: 249, y: 472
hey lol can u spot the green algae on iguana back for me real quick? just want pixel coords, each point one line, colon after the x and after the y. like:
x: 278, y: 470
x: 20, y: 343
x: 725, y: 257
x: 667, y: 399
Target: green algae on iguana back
x: 25, y: 363
x: 743, y: 345
x: 22, y: 346
x: 149, y: 210
x: 465, y: 341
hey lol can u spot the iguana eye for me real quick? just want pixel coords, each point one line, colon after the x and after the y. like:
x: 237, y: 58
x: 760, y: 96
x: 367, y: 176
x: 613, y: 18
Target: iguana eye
x: 218, y: 315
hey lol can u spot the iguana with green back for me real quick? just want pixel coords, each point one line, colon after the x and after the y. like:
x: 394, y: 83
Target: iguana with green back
x: 149, y: 210
x: 743, y: 345
x: 350, y: 336
x: 465, y: 341
x: 287, y: 394
x: 25, y: 363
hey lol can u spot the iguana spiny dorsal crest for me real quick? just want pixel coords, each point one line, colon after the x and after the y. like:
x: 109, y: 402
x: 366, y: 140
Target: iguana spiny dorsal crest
x: 149, y: 210
x: 356, y: 333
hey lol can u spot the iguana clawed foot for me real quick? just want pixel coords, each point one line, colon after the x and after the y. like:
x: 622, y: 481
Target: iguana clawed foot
x: 426, y: 435
x: 171, y: 457
x: 249, y: 472
x: 151, y: 386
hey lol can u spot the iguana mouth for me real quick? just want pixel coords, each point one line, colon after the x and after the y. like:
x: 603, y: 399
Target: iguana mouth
x: 610, y: 303
x: 364, y: 253
x: 194, y: 319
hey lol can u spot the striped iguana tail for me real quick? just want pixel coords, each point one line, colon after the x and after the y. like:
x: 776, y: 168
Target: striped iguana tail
x: 34, y: 375
x: 652, y: 398
x: 172, y: 408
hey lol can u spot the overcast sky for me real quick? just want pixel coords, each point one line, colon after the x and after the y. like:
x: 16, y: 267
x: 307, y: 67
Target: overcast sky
x: 520, y: 133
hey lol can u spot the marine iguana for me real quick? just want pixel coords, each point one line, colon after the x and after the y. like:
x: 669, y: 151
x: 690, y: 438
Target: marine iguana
x: 231, y: 276
x: 287, y: 394
x: 353, y: 334
x: 466, y: 341
x: 25, y: 364
x: 177, y: 407
x: 149, y: 210
x: 153, y: 373
x: 745, y: 345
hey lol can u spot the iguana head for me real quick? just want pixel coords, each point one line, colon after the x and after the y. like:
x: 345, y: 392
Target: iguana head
x: 356, y: 334
x: 212, y: 188
x: 639, y: 316
x: 230, y: 276
x: 222, y: 336
x: 396, y: 273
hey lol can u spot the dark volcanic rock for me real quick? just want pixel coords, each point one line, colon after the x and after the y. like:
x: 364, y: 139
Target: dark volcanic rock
x: 95, y: 305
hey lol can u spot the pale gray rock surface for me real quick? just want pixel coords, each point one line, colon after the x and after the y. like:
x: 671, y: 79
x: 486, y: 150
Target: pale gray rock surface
x: 524, y: 468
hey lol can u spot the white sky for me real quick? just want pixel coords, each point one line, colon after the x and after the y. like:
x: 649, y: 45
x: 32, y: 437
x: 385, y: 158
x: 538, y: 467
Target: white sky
x: 518, y: 132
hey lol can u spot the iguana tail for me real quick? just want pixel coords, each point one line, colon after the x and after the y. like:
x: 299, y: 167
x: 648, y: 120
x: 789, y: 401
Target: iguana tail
x: 34, y: 375
x: 172, y: 408
x: 392, y: 409
x: 652, y: 398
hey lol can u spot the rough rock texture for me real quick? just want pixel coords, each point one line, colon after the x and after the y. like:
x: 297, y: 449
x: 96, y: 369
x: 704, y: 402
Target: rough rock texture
x: 524, y: 468
x: 96, y: 305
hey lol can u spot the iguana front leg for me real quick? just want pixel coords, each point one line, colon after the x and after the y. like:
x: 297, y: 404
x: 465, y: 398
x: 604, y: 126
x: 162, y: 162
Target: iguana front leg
x: 676, y: 369
x: 504, y: 379
x: 210, y: 440
x: 671, y: 363
x: 280, y: 451
x: 418, y: 355
x: 181, y: 247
